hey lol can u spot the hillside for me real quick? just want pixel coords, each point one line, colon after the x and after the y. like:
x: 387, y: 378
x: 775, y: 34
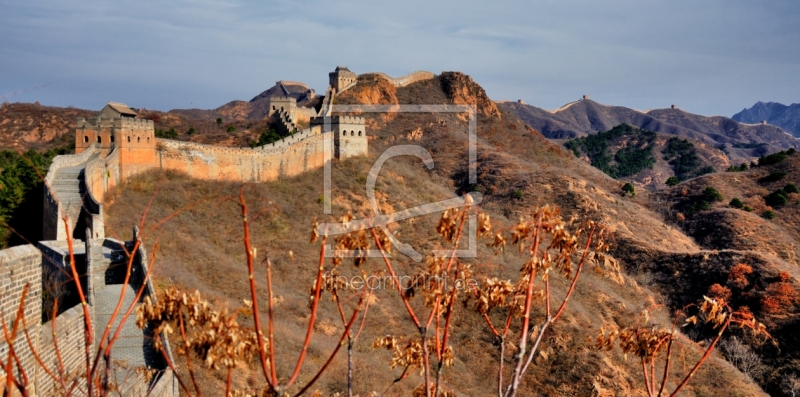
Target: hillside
x: 25, y: 126
x: 645, y: 157
x: 731, y: 229
x: 518, y: 169
x: 777, y: 114
x: 741, y: 142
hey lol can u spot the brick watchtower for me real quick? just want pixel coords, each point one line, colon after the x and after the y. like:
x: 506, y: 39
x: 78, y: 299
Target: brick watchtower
x: 341, y: 78
x: 117, y: 128
x: 349, y: 135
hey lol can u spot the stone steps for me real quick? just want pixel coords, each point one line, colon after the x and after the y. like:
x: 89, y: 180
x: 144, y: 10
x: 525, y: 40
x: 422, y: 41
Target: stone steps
x: 69, y: 189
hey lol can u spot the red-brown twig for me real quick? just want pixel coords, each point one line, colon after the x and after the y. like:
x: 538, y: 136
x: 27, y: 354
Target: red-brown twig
x: 338, y: 345
x: 87, y: 319
x: 704, y: 357
x: 253, y: 295
x: 12, y: 355
x: 526, y: 314
x: 188, y: 359
x: 271, y: 327
x: 313, y: 318
x: 669, y: 356
x: 395, y: 280
x: 171, y: 366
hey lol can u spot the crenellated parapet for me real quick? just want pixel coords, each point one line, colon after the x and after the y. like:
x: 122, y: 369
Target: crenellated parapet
x: 102, y: 122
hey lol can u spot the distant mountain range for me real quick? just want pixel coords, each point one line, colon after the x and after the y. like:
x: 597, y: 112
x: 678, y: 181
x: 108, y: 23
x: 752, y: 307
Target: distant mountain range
x: 778, y: 114
x: 742, y: 142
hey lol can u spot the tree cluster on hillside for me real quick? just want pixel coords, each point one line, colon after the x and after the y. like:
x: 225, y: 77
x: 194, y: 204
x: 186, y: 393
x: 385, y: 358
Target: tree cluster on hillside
x: 269, y: 135
x: 171, y: 133
x: 701, y: 202
x: 21, y: 181
x: 776, y: 157
x: 682, y: 156
x: 635, y: 156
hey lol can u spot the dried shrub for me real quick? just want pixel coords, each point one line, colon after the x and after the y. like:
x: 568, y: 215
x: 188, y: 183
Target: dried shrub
x: 651, y: 344
x: 717, y: 291
x: 779, y: 298
x: 737, y: 276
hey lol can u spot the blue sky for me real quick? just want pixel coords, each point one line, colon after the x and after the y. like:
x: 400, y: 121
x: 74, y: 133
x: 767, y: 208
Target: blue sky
x: 710, y: 57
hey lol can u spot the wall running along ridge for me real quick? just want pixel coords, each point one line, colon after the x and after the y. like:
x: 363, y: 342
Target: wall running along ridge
x: 286, y: 158
x: 403, y: 81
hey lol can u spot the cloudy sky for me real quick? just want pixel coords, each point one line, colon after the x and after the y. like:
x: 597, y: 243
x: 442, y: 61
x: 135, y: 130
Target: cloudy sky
x: 709, y: 57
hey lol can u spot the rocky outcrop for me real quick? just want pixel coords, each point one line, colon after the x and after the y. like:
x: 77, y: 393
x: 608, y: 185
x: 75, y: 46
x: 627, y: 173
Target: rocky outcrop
x: 462, y: 90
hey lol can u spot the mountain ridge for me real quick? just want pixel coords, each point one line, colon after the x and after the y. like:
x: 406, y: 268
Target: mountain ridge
x: 786, y: 117
x: 586, y: 116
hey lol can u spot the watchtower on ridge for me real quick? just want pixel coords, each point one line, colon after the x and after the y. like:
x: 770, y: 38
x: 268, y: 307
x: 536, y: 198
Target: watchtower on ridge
x: 341, y: 78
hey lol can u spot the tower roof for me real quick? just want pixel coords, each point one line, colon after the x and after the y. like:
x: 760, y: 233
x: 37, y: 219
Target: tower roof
x: 121, y: 108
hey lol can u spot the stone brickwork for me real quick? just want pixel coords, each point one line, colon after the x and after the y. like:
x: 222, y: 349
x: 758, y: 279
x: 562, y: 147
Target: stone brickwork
x: 71, y: 341
x: 20, y: 266
x: 349, y: 132
x: 291, y: 157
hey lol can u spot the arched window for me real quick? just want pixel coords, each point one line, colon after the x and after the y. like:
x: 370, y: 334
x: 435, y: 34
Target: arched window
x: 98, y: 139
x: 112, y: 138
x: 352, y: 132
x: 138, y: 139
x: 273, y: 107
x: 359, y: 133
x: 129, y: 139
x: 86, y: 138
x: 148, y: 139
x: 344, y: 133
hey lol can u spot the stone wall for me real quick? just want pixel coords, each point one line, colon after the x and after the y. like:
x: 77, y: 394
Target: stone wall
x: 20, y: 266
x: 70, y: 338
x: 289, y: 157
x: 99, y: 176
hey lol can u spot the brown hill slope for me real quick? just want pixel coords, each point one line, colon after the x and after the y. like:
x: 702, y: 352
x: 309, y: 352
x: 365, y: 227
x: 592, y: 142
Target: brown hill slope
x: 518, y: 169
x: 26, y: 126
x: 743, y: 235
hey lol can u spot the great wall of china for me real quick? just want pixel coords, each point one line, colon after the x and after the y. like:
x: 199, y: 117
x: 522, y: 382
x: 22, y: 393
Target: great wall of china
x: 110, y: 149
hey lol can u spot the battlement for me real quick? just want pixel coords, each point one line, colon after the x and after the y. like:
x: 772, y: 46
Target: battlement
x: 339, y: 120
x: 282, y: 99
x: 123, y: 122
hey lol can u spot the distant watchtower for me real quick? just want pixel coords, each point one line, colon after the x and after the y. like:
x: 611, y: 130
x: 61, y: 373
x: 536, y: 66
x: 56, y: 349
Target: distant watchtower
x: 341, y: 78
